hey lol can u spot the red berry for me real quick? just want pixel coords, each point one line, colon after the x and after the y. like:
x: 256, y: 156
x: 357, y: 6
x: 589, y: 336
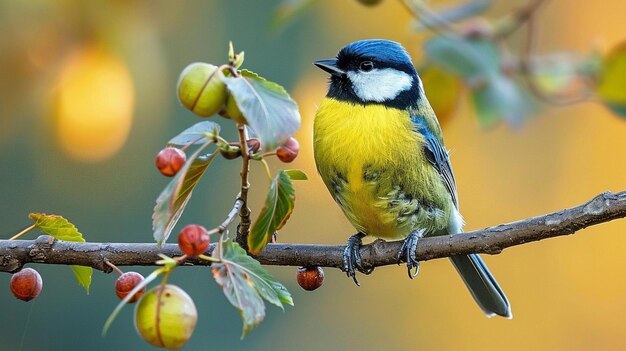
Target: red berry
x: 170, y: 160
x: 193, y: 240
x: 310, y: 278
x: 288, y: 151
x: 127, y: 282
x: 26, y: 284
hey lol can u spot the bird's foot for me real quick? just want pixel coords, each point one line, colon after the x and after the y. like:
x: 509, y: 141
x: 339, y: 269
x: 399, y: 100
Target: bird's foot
x: 352, y: 257
x: 407, y: 252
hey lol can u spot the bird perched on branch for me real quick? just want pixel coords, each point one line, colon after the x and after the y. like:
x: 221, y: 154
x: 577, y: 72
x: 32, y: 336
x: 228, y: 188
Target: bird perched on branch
x: 379, y: 149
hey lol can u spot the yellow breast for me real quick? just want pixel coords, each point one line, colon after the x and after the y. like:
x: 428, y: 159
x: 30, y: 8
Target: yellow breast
x: 364, y: 153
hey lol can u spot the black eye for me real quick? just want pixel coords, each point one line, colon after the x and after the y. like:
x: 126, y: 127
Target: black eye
x: 366, y: 66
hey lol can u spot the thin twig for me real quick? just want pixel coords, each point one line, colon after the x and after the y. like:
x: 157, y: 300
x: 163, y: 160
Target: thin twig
x: 519, y: 17
x: 244, y: 213
x: 230, y: 218
x: 14, y: 254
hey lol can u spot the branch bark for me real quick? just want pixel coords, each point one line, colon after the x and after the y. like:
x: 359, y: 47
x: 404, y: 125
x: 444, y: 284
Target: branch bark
x: 603, y: 208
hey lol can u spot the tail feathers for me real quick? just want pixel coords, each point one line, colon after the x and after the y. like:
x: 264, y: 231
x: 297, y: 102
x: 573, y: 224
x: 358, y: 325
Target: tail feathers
x: 482, y: 285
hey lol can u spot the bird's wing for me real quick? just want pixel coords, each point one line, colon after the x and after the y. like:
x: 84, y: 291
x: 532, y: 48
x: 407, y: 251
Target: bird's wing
x: 436, y: 154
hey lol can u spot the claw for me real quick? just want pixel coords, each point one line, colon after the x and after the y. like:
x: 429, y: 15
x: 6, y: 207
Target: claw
x: 352, y: 258
x: 407, y: 251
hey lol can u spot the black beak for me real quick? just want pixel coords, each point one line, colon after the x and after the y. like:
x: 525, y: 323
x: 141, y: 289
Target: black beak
x: 330, y: 66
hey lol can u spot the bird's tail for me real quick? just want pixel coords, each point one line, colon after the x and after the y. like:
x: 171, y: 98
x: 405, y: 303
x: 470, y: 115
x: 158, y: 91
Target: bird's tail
x: 482, y: 285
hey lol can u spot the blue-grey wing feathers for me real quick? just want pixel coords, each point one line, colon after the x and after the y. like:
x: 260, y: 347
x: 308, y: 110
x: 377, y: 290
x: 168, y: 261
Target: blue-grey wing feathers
x: 479, y: 281
x: 438, y: 157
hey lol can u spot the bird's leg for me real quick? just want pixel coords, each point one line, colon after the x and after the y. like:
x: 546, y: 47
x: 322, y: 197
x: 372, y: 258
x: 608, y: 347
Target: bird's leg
x: 352, y: 257
x: 407, y: 251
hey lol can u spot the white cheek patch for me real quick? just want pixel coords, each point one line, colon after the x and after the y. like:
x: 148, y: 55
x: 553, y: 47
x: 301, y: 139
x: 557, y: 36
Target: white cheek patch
x: 380, y: 84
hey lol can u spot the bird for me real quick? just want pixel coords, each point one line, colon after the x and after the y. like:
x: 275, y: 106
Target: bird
x: 379, y: 149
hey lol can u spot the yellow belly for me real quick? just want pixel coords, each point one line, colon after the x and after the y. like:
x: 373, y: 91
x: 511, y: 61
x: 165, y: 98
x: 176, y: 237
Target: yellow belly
x: 368, y: 156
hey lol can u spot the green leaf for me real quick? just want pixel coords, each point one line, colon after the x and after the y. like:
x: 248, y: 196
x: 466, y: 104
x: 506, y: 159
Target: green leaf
x: 555, y: 73
x: 245, y: 284
x: 279, y: 204
x: 195, y: 134
x: 231, y: 52
x: 83, y: 276
x: 296, y: 174
x: 502, y: 98
x: 57, y: 227
x: 267, y: 107
x: 173, y: 199
x: 473, y: 59
x: 130, y: 295
x: 611, y: 86
x: 60, y: 228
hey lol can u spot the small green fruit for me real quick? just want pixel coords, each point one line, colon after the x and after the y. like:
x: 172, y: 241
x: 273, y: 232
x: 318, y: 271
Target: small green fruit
x: 201, y: 89
x: 232, y: 110
x: 166, y: 317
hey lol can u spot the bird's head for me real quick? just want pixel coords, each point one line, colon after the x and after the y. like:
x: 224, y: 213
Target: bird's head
x: 373, y: 71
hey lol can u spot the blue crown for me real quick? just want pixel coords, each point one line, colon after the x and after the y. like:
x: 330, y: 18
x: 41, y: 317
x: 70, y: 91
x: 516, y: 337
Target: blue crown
x: 376, y: 49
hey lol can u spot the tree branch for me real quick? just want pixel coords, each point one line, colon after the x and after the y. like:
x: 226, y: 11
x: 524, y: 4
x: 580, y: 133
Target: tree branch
x: 603, y: 208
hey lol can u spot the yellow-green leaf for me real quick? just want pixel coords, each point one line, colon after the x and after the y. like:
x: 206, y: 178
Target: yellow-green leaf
x: 279, y: 204
x: 83, y: 276
x: 612, y: 80
x: 60, y: 228
x: 296, y: 174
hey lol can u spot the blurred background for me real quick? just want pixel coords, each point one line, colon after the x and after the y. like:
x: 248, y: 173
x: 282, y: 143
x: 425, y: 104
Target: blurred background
x: 87, y: 99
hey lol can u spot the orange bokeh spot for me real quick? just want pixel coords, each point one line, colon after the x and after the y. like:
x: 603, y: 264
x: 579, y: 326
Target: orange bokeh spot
x: 95, y: 104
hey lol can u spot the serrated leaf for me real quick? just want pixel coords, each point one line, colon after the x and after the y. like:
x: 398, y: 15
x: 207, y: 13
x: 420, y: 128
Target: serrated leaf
x: 57, y: 227
x: 60, y: 228
x: 173, y: 199
x: 279, y: 204
x: 196, y: 134
x: 245, y: 284
x: 267, y: 107
x: 296, y: 174
x: 129, y: 296
x: 472, y: 59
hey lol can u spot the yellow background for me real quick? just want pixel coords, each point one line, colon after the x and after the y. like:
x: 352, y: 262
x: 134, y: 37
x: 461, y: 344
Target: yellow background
x: 566, y: 294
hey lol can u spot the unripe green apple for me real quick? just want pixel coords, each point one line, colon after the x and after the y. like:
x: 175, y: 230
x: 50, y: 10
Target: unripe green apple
x: 232, y: 110
x: 201, y: 89
x: 166, y: 317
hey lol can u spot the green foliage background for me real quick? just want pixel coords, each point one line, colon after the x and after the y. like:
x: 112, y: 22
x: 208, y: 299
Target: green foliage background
x: 567, y: 293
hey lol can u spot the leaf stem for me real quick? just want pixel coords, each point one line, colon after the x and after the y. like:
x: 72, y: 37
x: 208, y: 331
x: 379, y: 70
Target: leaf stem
x: 244, y: 212
x: 114, y: 267
x: 18, y: 235
x: 267, y: 170
x: 229, y: 218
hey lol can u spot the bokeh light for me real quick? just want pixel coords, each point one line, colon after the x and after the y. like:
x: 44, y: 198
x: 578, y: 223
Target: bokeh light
x: 95, y: 104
